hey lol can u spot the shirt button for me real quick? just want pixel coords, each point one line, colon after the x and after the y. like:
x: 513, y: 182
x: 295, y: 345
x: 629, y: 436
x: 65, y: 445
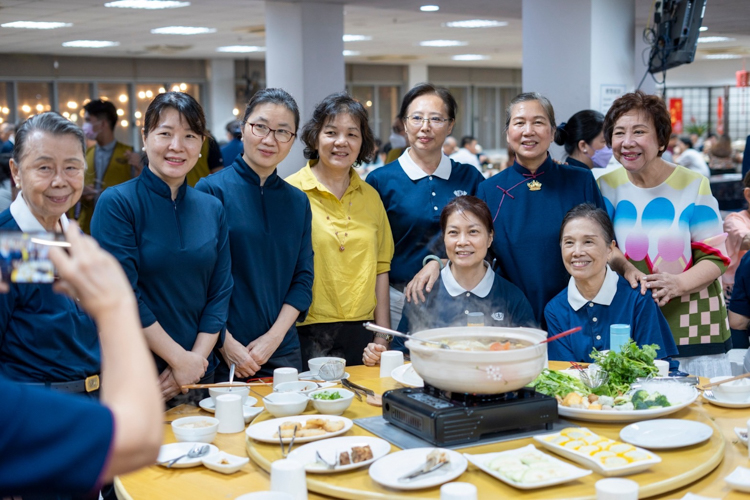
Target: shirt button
x: 594, y: 320
x: 435, y: 208
x: 430, y: 177
x: 433, y: 194
x: 466, y: 312
x: 468, y: 294
x: 591, y: 304
x: 598, y: 337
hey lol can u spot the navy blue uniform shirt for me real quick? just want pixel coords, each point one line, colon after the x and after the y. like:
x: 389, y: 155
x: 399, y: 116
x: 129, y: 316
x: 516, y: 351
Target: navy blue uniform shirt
x: 615, y: 304
x: 528, y: 210
x: 448, y: 304
x: 175, y: 253
x: 740, y: 301
x: 272, y: 256
x: 413, y: 201
x: 44, y: 336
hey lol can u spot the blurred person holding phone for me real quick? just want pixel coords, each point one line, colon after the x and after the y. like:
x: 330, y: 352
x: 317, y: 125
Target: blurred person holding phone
x: 62, y: 444
x: 172, y: 241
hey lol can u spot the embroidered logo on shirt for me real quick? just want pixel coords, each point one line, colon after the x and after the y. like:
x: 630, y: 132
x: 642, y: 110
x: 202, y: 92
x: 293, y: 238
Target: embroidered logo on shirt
x: 498, y: 316
x: 459, y: 192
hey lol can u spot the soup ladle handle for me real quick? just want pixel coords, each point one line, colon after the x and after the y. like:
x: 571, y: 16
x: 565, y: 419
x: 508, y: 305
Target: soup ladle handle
x: 381, y: 329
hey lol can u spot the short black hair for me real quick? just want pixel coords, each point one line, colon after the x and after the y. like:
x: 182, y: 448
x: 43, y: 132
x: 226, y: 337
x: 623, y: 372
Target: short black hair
x: 421, y: 89
x: 325, y: 112
x: 582, y: 126
x: 273, y: 96
x: 235, y: 128
x: 467, y: 139
x: 685, y: 139
x: 531, y: 96
x: 589, y: 211
x: 184, y: 104
x: 51, y: 122
x: 104, y: 110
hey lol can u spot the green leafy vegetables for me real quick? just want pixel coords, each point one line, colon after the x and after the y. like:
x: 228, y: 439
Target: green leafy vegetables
x: 554, y: 383
x: 624, y: 367
x: 327, y: 395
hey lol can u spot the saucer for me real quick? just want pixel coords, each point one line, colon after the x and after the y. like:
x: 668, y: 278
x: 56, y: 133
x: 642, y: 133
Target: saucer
x: 727, y: 404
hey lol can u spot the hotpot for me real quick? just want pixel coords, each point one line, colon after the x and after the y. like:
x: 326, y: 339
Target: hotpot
x: 479, y: 372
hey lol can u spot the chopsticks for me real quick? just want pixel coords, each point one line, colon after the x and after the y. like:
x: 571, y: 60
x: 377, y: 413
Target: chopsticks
x: 224, y: 384
x: 714, y: 384
x: 561, y: 335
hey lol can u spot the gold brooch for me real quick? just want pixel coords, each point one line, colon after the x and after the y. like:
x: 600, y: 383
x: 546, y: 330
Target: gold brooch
x: 534, y: 185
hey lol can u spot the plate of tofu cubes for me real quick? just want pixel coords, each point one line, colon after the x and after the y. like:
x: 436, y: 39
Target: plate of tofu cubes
x: 340, y: 454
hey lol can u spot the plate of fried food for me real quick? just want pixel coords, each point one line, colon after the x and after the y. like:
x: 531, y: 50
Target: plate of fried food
x: 304, y: 428
x: 341, y: 453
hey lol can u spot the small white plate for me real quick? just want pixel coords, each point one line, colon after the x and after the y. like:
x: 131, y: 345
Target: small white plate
x: 726, y: 404
x: 405, y: 375
x: 173, y: 450
x: 664, y: 434
x: 234, y: 463
x: 589, y: 462
x: 330, y: 449
x: 314, y: 376
x: 739, y: 479
x: 264, y: 431
x: 571, y: 472
x: 741, y: 434
x: 388, y: 469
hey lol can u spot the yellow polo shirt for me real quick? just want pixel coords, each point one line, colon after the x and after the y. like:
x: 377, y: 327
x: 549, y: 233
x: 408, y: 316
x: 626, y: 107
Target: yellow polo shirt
x: 344, y: 284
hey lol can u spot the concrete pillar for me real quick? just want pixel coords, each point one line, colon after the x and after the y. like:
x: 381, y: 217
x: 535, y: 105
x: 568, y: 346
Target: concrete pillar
x: 578, y: 53
x: 220, y: 96
x: 304, y: 56
x: 417, y: 74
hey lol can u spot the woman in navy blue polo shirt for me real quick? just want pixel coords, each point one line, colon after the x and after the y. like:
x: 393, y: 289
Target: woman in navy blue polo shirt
x: 596, y: 296
x: 417, y: 186
x: 466, y: 284
x: 46, y: 338
x: 172, y: 241
x: 270, y: 234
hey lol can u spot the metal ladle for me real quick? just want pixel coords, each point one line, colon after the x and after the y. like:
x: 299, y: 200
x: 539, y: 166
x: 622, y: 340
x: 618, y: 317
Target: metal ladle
x: 375, y: 328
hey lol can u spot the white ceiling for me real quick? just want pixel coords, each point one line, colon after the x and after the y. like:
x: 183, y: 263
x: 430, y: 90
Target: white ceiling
x: 396, y: 27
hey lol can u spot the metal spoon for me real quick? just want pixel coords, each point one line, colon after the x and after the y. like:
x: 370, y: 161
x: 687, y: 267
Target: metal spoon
x: 375, y: 328
x: 195, y: 452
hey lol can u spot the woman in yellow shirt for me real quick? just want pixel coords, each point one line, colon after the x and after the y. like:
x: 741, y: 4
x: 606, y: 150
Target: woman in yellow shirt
x: 351, y: 236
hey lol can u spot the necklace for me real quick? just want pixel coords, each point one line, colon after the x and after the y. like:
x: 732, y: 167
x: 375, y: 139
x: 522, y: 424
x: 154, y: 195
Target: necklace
x: 341, y: 241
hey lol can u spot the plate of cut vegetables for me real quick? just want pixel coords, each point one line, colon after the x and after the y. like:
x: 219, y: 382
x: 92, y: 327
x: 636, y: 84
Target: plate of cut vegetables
x: 526, y: 468
x: 620, y: 399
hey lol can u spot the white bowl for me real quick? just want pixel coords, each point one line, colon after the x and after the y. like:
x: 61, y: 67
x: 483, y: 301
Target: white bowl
x: 315, y: 363
x: 185, y: 431
x: 218, y: 391
x: 479, y: 372
x: 299, y: 386
x: 285, y: 404
x: 234, y: 463
x: 735, y: 392
x: 332, y: 406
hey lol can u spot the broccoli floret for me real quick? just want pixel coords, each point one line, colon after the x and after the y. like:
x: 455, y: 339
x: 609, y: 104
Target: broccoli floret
x: 638, y: 397
x: 661, y: 400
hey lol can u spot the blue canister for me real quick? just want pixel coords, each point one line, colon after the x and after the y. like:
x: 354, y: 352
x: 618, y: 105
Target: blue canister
x: 619, y: 335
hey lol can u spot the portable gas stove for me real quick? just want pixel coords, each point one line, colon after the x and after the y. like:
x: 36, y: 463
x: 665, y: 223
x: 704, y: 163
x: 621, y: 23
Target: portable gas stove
x: 446, y: 418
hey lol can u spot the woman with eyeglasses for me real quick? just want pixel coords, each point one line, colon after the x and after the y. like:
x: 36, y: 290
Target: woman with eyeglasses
x: 351, y: 236
x: 416, y: 187
x: 270, y: 237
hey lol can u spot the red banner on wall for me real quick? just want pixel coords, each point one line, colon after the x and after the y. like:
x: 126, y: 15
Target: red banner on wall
x: 720, y: 116
x: 675, y: 113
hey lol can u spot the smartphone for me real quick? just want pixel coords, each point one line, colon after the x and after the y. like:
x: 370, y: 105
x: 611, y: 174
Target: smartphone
x: 24, y: 257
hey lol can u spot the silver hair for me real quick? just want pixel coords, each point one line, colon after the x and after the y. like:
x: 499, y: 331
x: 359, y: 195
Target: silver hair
x: 51, y: 122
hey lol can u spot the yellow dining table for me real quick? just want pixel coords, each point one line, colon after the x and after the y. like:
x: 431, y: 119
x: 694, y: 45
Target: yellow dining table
x: 680, y: 467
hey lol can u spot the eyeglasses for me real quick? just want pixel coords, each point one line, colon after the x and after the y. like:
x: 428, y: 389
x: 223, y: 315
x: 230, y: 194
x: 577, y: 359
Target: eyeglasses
x: 434, y: 121
x: 281, y: 135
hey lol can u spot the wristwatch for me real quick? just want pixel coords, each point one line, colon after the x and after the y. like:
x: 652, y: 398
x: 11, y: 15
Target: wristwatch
x: 388, y: 337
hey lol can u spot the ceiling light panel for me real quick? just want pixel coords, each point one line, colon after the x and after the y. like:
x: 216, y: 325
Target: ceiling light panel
x: 476, y: 23
x: 442, y: 43
x: 182, y: 30
x: 36, y: 25
x: 241, y: 48
x: 429, y: 8
x: 90, y: 44
x: 470, y: 57
x: 147, y: 4
x: 714, y: 39
x: 356, y: 38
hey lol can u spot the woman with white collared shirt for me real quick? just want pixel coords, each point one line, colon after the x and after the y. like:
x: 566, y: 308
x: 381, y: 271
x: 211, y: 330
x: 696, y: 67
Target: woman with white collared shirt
x: 416, y: 187
x: 467, y: 284
x: 597, y: 297
x: 45, y: 337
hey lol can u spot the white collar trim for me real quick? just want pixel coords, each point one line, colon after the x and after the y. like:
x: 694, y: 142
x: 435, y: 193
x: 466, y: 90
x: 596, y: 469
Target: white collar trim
x: 415, y: 173
x: 25, y: 219
x: 605, y: 296
x: 454, y: 289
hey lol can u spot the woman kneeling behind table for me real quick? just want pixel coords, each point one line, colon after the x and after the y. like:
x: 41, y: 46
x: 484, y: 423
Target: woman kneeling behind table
x: 466, y: 284
x: 172, y: 241
x: 596, y: 296
x: 64, y: 444
x: 351, y: 237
